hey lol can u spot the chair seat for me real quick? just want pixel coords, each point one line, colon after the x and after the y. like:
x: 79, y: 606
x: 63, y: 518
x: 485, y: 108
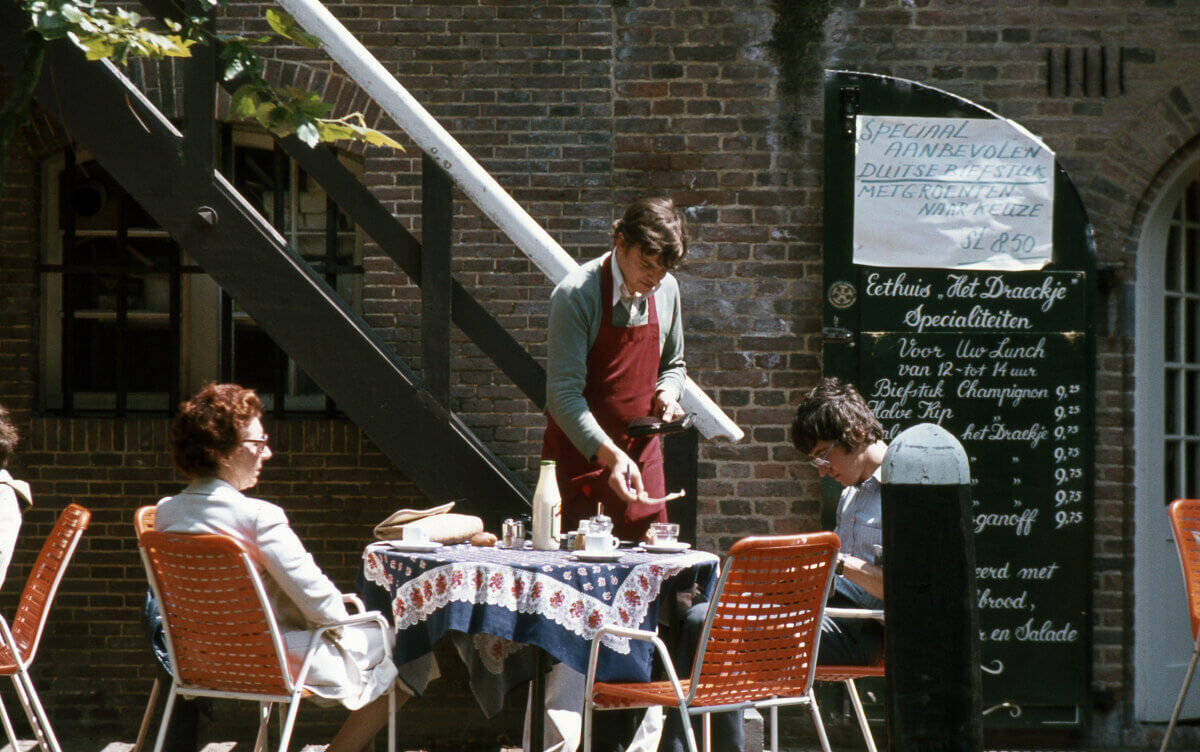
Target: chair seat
x: 8, y: 666
x: 842, y: 673
x: 647, y: 694
x: 643, y: 694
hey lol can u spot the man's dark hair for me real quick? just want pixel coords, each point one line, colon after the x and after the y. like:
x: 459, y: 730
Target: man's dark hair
x: 834, y: 411
x: 653, y: 226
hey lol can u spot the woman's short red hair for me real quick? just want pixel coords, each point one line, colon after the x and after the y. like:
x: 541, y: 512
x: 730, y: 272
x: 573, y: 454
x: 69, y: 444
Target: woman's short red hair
x: 208, y: 427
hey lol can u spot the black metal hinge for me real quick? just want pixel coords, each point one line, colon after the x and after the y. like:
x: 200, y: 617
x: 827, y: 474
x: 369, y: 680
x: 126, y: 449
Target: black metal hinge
x: 834, y: 336
x: 849, y: 108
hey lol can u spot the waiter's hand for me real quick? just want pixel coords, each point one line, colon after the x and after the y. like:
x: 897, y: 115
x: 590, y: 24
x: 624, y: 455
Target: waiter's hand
x: 667, y: 407
x: 625, y: 479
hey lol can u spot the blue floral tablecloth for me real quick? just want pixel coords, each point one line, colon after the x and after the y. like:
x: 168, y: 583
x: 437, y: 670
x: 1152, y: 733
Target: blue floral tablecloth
x: 543, y: 598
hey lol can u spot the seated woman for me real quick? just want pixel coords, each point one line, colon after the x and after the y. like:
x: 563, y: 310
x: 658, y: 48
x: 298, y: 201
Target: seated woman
x: 218, y: 442
x: 15, y: 496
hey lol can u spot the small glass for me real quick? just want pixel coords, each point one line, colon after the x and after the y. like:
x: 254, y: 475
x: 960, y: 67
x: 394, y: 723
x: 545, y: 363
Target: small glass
x: 513, y: 533
x: 601, y: 523
x: 663, y: 533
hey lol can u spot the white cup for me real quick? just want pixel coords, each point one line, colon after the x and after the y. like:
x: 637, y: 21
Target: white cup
x: 415, y: 534
x: 599, y: 543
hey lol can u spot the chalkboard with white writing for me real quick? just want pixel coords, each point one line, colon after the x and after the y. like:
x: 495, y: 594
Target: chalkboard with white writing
x: 999, y: 360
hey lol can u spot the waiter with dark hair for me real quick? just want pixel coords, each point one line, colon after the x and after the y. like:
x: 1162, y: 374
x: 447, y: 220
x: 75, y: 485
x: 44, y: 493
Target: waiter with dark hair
x: 615, y: 353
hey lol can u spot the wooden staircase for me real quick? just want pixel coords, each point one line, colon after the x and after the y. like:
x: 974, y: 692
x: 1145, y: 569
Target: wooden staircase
x: 171, y: 174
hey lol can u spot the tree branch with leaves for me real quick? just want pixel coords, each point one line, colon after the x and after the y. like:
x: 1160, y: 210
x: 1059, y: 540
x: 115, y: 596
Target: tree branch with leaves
x: 119, y: 35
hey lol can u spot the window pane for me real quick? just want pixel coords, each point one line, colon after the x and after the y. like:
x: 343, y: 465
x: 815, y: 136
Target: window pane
x: 96, y: 357
x: 1189, y: 468
x: 1170, y: 402
x: 1190, y: 250
x: 1189, y: 331
x: 1171, y: 267
x: 1189, y: 403
x: 255, y: 359
x: 1170, y: 474
x: 1171, y: 331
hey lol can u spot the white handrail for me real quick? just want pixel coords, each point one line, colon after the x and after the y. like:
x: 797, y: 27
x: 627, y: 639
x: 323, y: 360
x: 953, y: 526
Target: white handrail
x: 477, y: 183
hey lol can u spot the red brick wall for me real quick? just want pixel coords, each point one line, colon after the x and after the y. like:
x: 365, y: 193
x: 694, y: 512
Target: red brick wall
x: 576, y: 105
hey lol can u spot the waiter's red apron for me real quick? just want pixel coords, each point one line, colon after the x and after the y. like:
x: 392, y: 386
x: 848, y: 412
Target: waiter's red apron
x: 622, y: 374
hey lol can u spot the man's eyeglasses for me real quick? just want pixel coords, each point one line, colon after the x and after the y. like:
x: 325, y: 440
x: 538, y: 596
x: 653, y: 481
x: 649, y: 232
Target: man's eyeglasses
x: 822, y: 462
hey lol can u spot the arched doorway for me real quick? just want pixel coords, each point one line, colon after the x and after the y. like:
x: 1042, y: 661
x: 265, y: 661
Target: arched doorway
x: 1167, y: 437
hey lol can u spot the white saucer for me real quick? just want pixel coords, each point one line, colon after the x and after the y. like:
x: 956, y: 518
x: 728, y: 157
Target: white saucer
x: 400, y: 545
x: 596, y: 555
x: 666, y: 548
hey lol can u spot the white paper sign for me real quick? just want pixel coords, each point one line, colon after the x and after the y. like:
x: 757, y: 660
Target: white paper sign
x: 951, y: 193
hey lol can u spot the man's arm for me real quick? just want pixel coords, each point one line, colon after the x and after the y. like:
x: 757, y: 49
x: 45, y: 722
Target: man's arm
x: 568, y: 339
x: 672, y: 369
x: 866, y: 575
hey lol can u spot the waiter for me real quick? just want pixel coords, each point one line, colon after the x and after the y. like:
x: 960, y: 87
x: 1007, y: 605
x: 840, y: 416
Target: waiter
x: 615, y: 352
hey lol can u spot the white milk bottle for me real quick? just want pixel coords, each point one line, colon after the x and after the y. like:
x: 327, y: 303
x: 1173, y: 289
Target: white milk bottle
x: 547, y: 509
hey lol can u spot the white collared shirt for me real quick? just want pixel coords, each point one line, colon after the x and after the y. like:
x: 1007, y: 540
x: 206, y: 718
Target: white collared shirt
x: 621, y: 295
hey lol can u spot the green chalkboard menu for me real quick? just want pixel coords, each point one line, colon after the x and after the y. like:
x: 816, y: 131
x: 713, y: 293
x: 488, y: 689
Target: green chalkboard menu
x: 1004, y: 360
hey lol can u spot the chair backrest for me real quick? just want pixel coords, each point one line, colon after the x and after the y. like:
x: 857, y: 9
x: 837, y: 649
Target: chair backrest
x: 43, y: 581
x: 763, y: 627
x: 221, y: 633
x: 1185, y: 523
x: 143, y: 520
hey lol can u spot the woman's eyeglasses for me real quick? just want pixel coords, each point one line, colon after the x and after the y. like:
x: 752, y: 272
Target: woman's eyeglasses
x: 260, y: 442
x: 822, y: 462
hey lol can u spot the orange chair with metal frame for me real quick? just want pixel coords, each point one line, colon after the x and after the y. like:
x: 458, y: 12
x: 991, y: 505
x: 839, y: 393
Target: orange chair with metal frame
x: 847, y: 674
x: 30, y: 620
x: 1185, y: 523
x: 759, y: 643
x: 222, y: 636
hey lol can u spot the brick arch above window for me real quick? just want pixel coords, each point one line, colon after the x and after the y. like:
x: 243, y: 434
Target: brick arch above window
x: 1140, y: 159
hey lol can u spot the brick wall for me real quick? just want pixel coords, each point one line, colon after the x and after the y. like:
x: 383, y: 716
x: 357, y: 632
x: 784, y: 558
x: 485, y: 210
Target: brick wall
x: 577, y: 105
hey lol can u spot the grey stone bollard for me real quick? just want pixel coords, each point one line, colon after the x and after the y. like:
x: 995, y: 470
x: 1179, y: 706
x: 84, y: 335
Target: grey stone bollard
x: 932, y: 636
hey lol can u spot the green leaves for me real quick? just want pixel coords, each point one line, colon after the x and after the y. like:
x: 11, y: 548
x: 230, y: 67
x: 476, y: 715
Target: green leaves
x: 291, y: 111
x: 103, y: 33
x: 286, y: 26
x: 106, y: 33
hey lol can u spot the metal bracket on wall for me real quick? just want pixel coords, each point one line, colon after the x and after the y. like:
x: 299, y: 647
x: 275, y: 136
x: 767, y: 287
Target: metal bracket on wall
x: 849, y: 108
x: 835, y: 336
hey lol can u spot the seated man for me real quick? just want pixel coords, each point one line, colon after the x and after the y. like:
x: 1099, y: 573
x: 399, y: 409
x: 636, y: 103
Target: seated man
x: 844, y: 440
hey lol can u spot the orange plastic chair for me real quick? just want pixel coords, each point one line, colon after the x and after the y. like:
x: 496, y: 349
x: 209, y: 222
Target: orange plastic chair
x: 759, y: 643
x: 222, y: 636
x: 847, y: 674
x: 32, y: 612
x: 1185, y: 523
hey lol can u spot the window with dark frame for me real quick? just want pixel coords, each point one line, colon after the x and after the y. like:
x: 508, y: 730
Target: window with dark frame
x: 130, y: 324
